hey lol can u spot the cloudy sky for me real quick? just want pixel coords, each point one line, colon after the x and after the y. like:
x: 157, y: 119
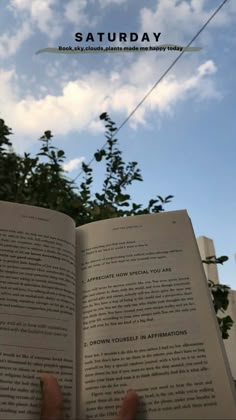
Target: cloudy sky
x: 182, y: 136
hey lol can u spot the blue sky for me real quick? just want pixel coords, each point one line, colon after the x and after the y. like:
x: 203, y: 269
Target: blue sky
x: 183, y: 134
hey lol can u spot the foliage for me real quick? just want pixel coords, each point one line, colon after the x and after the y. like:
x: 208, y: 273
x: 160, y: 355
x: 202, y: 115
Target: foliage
x: 220, y: 294
x: 113, y: 200
x: 29, y: 181
x: 41, y: 181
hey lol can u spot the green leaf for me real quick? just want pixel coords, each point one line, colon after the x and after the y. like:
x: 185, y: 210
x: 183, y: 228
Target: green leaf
x: 98, y: 156
x: 100, y: 196
x: 60, y: 153
x: 48, y: 134
x: 103, y: 116
x: 124, y: 204
x: 157, y: 209
x: 151, y: 202
x: 122, y: 197
x: 136, y: 206
x: 86, y: 168
x: 168, y: 197
x: 222, y: 259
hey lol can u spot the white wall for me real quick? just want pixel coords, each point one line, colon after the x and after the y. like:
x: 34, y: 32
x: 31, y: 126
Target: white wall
x: 207, y: 249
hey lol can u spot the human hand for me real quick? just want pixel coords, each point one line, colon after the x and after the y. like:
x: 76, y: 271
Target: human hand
x: 52, y: 403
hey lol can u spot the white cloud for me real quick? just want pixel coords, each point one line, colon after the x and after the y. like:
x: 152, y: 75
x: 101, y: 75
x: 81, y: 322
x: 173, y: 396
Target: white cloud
x: 78, y: 12
x: 73, y: 164
x: 118, y: 89
x: 74, y: 12
x: 105, y: 3
x: 8, y: 90
x: 41, y: 13
x: 10, y: 44
x: 207, y: 68
x: 179, y: 20
x: 175, y: 19
x: 51, y: 70
x: 76, y: 108
x: 97, y: 126
x: 173, y: 89
x: 192, y: 84
x: 81, y: 101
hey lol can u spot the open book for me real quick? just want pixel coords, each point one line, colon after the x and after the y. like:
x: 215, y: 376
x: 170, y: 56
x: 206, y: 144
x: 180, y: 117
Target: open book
x: 112, y: 306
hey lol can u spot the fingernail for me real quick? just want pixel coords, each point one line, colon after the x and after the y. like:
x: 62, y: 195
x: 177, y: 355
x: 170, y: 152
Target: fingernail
x: 41, y: 385
x: 129, y: 408
x: 129, y: 394
x: 128, y: 416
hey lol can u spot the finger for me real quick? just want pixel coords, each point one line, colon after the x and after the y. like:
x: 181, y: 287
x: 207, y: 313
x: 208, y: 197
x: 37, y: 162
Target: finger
x: 129, y: 407
x: 52, y: 402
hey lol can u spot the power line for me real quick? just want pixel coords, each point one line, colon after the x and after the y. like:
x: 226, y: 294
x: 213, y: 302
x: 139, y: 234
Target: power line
x: 158, y: 81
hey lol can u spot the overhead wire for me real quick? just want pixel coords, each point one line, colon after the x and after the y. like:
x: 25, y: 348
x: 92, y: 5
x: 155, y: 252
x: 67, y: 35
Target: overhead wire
x: 158, y: 81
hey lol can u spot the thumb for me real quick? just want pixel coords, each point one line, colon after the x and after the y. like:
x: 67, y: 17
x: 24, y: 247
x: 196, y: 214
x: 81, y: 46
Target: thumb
x: 52, y: 402
x: 129, y: 407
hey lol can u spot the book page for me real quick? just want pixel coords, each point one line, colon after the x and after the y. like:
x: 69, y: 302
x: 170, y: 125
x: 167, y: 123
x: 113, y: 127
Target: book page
x: 37, y: 308
x: 148, y: 323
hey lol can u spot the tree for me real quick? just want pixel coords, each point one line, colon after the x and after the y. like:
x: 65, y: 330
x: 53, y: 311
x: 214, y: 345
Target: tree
x: 44, y: 183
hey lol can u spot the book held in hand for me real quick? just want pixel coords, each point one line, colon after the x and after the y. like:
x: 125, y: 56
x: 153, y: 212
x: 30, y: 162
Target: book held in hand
x: 111, y: 306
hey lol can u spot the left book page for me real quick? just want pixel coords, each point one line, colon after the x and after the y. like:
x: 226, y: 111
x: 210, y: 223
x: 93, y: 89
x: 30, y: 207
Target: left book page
x: 37, y: 308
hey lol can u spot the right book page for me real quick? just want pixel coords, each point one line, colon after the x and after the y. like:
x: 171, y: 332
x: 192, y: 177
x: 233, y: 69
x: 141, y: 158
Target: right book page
x: 147, y: 322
